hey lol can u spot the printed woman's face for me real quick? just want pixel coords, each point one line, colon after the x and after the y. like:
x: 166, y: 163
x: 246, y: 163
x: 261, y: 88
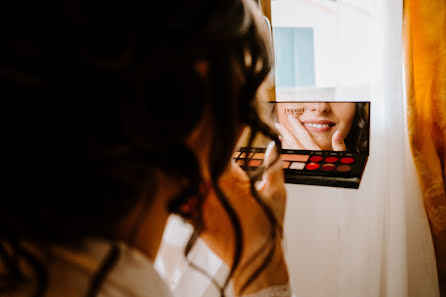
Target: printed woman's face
x: 320, y: 119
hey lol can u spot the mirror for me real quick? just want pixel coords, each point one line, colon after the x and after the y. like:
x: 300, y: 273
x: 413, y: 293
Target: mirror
x: 338, y: 126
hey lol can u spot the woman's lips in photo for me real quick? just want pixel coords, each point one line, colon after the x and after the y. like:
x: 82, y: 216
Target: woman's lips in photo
x: 319, y: 126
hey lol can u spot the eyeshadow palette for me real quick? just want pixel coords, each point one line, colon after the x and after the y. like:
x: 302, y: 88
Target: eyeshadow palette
x: 324, y: 168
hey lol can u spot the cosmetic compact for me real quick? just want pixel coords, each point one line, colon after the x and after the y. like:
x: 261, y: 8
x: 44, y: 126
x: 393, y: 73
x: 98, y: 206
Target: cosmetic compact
x: 318, y: 123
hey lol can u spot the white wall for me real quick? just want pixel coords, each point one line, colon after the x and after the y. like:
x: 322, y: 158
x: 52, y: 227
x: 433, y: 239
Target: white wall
x: 342, y: 44
x: 292, y: 13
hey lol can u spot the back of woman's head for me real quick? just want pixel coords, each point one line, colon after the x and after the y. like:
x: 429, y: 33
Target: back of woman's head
x: 100, y: 94
x: 103, y: 93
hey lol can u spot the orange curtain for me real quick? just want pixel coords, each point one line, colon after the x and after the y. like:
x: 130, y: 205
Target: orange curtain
x: 425, y: 51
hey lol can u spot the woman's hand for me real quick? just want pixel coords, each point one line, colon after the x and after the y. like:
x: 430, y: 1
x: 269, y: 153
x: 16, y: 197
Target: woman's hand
x: 299, y: 138
x: 218, y: 232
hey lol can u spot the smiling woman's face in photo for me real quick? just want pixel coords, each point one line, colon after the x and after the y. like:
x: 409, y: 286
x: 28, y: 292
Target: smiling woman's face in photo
x: 320, y: 119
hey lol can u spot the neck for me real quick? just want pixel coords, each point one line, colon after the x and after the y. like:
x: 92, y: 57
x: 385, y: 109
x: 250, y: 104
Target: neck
x: 143, y: 228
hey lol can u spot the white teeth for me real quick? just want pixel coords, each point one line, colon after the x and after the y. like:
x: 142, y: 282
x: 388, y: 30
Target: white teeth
x: 317, y: 125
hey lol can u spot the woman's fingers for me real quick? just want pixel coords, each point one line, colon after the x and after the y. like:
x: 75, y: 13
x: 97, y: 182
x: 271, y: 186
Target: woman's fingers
x: 297, y: 137
x: 274, y: 174
x: 272, y: 186
x: 288, y: 140
x: 338, y: 142
x: 270, y: 155
x: 302, y: 134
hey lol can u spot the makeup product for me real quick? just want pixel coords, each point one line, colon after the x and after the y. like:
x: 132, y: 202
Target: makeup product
x: 323, y: 168
x: 318, y: 122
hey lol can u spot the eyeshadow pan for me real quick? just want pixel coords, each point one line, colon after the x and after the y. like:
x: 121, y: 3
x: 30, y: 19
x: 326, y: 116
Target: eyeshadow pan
x: 298, y: 158
x: 328, y: 167
x: 297, y: 165
x: 312, y: 166
x: 245, y: 155
x: 255, y: 163
x: 259, y: 156
x: 236, y: 154
x: 316, y: 158
x: 344, y: 168
x: 331, y: 159
x: 285, y: 164
x: 347, y: 160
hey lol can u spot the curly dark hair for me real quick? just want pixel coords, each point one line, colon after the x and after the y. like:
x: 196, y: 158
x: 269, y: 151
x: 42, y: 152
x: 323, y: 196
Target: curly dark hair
x: 99, y: 95
x: 357, y: 139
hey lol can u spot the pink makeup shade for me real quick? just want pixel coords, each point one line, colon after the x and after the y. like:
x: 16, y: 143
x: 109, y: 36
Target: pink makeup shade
x: 245, y: 155
x: 255, y: 163
x: 298, y: 158
x: 259, y: 156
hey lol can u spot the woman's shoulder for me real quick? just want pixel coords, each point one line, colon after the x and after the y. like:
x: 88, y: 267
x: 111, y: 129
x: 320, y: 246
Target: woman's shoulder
x: 134, y: 273
x: 71, y: 271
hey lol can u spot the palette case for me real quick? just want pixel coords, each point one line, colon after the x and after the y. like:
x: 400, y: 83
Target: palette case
x: 315, y: 167
x: 322, y: 168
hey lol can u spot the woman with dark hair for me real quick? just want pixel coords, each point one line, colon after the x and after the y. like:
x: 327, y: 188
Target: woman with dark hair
x: 338, y: 126
x: 122, y: 115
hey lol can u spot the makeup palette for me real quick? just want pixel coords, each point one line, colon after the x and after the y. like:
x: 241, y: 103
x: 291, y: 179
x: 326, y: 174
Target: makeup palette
x: 318, y: 123
x: 323, y: 168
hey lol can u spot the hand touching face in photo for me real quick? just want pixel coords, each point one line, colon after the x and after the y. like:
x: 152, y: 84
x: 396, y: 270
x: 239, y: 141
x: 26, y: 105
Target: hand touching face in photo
x: 315, y: 125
